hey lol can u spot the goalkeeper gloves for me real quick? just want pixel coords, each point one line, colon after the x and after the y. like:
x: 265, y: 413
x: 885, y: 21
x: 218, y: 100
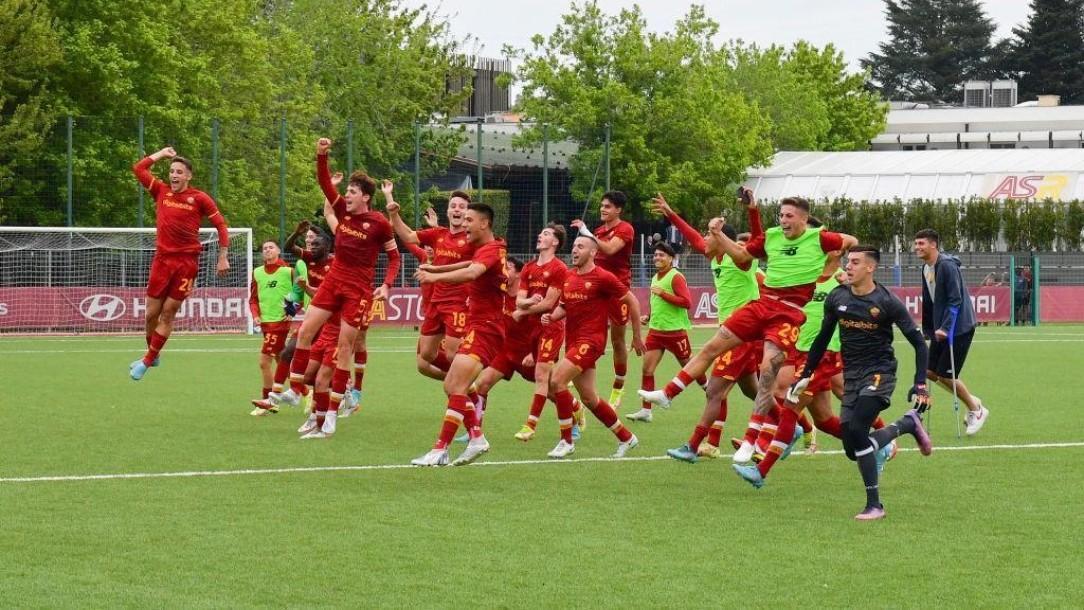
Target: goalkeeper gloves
x: 796, y: 389
x: 919, y: 396
x: 291, y: 308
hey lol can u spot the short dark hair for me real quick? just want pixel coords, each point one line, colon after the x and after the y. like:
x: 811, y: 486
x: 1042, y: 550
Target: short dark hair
x: 518, y: 264
x: 461, y: 195
x: 320, y: 236
x: 362, y: 180
x: 798, y: 202
x: 746, y: 236
x: 558, y: 232
x: 929, y: 234
x: 730, y: 232
x: 870, y: 251
x: 182, y: 161
x: 814, y: 222
x: 617, y: 198
x: 484, y: 210
x: 665, y: 247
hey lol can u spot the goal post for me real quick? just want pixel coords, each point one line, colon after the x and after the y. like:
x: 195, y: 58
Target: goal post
x: 93, y: 280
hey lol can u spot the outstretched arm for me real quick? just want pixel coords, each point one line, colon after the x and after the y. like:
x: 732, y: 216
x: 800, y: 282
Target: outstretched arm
x: 738, y: 253
x: 323, y: 174
x: 405, y: 233
x: 466, y: 274
x: 291, y: 241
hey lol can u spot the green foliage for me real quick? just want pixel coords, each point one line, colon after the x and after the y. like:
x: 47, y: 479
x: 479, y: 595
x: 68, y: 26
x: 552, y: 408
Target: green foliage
x: 1047, y: 53
x: 976, y: 225
x: 250, y: 64
x: 933, y: 47
x: 499, y: 200
x: 30, y: 49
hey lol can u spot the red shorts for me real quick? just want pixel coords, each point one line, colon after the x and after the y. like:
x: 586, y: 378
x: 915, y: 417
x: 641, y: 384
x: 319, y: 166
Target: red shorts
x: 821, y: 381
x: 484, y: 343
x: 584, y: 354
x: 619, y: 313
x: 274, y: 336
x: 448, y: 319
x: 548, y: 343
x: 770, y: 320
x: 326, y: 347
x: 739, y: 362
x: 173, y: 276
x: 353, y: 303
x: 675, y: 342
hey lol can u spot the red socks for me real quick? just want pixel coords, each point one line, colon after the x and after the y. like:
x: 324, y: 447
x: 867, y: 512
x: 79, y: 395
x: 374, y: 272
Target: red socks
x: 282, y: 371
x: 338, y: 387
x: 538, y: 402
x: 647, y: 383
x: 756, y: 422
x: 297, y: 369
x: 564, y: 414
x: 154, y: 346
x: 620, y: 370
x: 606, y: 414
x: 877, y: 423
x: 678, y: 384
x: 456, y: 414
x: 698, y: 436
x: 360, y: 358
x: 831, y: 426
x: 788, y: 421
x: 266, y: 391
x: 321, y: 401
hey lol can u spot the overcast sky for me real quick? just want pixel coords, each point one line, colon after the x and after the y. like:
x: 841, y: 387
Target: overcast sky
x: 855, y: 26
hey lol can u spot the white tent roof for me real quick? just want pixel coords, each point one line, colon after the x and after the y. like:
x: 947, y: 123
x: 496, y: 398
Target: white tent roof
x: 938, y: 174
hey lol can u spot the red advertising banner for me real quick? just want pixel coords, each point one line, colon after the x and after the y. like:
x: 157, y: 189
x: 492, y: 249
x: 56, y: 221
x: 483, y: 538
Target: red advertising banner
x: 1061, y: 303
x: 209, y: 309
x: 115, y: 309
x: 992, y: 303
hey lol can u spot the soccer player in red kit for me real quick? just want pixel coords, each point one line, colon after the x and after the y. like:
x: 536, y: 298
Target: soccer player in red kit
x: 178, y: 210
x: 615, y: 239
x: 587, y: 291
x: 488, y: 285
x: 348, y: 289
x: 797, y: 255
x: 446, y: 308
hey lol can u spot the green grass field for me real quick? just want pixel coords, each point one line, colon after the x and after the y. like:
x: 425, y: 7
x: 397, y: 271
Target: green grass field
x: 997, y: 526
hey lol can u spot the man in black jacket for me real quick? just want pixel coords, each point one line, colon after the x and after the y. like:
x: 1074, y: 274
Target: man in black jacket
x: 947, y: 312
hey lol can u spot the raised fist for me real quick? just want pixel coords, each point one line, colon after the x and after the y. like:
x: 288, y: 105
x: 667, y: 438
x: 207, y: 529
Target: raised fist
x: 323, y: 145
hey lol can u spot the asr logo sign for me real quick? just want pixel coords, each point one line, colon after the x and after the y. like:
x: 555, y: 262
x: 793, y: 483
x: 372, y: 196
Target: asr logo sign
x: 1035, y: 186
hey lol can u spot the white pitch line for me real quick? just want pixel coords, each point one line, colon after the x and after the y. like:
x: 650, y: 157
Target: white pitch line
x: 309, y: 469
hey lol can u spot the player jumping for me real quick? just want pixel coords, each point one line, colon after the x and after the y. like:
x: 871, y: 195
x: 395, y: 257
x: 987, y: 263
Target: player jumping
x: 360, y: 236
x: 797, y: 255
x: 178, y: 210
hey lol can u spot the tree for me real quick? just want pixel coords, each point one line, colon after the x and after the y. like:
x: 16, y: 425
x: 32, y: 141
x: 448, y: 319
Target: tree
x: 813, y: 101
x: 1048, y: 52
x: 680, y: 125
x: 933, y: 47
x: 30, y: 49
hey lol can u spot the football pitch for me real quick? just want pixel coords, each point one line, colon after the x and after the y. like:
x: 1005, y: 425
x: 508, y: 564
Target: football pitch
x: 167, y: 493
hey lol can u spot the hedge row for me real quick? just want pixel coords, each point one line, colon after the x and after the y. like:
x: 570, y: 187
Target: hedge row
x: 974, y: 225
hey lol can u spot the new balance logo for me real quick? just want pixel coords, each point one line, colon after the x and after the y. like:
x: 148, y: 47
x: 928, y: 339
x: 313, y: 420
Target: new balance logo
x: 789, y: 250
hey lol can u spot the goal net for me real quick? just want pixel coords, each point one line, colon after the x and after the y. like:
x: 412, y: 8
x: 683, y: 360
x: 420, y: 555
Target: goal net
x: 91, y: 280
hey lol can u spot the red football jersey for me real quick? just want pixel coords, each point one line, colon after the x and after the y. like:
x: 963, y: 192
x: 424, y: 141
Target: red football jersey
x: 178, y: 215
x: 619, y: 264
x: 448, y: 249
x: 420, y: 254
x: 317, y: 271
x: 538, y: 279
x: 586, y: 299
x: 487, y: 293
